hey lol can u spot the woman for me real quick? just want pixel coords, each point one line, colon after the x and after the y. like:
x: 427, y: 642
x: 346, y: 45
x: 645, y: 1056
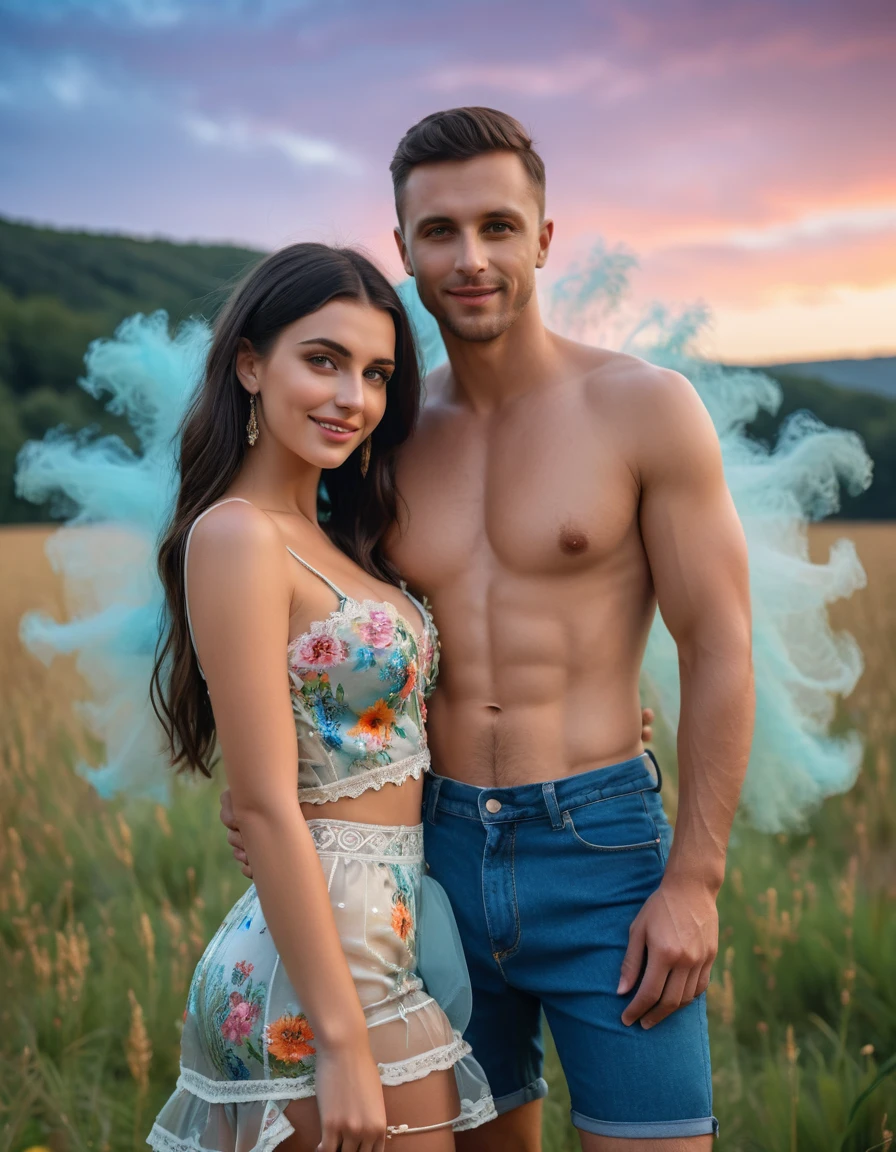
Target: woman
x: 292, y: 643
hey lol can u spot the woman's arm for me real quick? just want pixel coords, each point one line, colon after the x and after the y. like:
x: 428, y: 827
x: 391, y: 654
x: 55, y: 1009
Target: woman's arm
x: 240, y: 599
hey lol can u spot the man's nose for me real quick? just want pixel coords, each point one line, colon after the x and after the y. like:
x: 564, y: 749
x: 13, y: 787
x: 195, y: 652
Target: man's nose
x: 471, y: 259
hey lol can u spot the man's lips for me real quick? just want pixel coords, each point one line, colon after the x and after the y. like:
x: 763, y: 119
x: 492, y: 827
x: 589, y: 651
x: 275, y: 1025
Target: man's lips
x: 474, y: 295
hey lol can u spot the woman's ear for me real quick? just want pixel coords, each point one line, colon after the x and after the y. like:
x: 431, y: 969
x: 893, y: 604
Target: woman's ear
x: 247, y: 364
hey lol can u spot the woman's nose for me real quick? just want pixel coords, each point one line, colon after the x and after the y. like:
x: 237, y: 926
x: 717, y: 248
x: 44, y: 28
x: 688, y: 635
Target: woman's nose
x: 350, y: 394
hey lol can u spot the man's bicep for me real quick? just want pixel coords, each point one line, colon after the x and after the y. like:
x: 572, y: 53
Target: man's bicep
x: 692, y: 534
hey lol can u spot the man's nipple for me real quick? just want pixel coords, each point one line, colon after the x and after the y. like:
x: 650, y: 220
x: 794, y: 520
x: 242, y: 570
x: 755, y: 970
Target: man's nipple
x: 573, y: 542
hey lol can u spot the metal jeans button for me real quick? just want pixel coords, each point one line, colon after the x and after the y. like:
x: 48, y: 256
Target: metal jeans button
x: 493, y: 806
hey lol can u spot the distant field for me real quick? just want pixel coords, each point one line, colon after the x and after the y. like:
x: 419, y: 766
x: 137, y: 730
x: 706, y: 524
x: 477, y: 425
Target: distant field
x: 104, y: 909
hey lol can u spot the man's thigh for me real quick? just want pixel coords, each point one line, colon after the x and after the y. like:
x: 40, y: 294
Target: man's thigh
x: 579, y: 889
x: 592, y: 1143
x: 516, y: 1131
x: 505, y: 1026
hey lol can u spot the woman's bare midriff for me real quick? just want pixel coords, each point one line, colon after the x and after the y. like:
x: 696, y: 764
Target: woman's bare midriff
x: 393, y: 804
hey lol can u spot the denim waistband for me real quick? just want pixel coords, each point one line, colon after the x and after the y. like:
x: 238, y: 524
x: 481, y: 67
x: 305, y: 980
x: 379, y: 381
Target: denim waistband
x: 537, y: 801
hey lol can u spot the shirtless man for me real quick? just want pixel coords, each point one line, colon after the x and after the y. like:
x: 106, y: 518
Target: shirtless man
x: 556, y: 493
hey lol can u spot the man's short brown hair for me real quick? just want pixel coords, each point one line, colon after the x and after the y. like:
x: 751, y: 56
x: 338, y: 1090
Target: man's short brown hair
x: 461, y: 134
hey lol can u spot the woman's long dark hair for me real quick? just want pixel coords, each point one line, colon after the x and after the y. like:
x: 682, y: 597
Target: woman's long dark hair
x: 283, y: 288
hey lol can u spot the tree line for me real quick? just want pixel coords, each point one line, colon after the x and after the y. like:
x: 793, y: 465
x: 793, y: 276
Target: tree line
x: 59, y: 290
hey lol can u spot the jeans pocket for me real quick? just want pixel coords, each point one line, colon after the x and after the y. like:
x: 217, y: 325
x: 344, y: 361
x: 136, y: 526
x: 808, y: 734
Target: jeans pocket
x: 617, y: 824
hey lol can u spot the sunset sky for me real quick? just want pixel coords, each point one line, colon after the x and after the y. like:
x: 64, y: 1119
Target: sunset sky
x: 744, y: 151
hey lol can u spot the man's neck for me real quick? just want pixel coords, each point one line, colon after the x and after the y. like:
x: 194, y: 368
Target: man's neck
x: 487, y: 374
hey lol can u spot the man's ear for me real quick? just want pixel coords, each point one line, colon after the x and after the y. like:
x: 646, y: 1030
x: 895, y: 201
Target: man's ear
x: 247, y: 365
x: 545, y: 236
x: 403, y: 251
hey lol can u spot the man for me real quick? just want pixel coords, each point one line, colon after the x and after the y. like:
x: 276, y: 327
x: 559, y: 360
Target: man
x: 556, y: 493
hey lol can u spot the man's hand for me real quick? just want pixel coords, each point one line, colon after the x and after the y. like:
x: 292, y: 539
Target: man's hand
x: 679, y: 929
x: 234, y: 839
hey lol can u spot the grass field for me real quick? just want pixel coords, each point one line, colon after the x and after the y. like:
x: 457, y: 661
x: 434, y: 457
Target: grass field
x: 105, y: 908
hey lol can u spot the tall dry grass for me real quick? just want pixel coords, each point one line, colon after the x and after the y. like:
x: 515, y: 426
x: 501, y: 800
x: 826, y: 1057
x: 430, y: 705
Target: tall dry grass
x: 105, y: 908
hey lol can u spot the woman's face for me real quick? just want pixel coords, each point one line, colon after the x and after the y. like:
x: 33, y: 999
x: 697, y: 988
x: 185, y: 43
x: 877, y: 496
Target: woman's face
x: 321, y: 389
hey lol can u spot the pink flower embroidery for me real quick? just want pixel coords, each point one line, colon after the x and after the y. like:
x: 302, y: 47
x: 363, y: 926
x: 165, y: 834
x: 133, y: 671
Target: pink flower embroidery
x: 377, y: 630
x: 320, y: 652
x: 241, y: 1019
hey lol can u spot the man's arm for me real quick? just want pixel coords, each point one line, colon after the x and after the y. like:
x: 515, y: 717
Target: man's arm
x: 697, y: 553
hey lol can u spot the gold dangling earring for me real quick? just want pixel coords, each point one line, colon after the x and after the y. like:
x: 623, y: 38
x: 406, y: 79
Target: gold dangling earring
x: 365, y: 456
x: 252, y: 426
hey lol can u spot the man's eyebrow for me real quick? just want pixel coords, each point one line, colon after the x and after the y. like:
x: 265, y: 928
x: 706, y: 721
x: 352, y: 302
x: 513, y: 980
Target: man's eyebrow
x: 502, y: 212
x: 493, y: 214
x: 343, y: 351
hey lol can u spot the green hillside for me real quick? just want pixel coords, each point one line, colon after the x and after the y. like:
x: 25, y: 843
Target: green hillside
x: 60, y: 290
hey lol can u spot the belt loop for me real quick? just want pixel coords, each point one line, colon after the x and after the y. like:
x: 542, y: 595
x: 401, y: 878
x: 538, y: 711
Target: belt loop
x: 550, y: 802
x: 659, y: 775
x: 432, y: 800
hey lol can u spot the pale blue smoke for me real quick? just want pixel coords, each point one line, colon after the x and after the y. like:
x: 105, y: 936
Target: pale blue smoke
x: 801, y: 665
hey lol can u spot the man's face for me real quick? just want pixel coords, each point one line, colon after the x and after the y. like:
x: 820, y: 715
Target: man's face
x: 472, y: 236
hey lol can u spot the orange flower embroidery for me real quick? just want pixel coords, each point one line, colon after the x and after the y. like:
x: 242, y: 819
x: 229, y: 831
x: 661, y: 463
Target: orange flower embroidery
x: 374, y: 724
x: 288, y: 1039
x: 401, y: 919
x: 411, y: 683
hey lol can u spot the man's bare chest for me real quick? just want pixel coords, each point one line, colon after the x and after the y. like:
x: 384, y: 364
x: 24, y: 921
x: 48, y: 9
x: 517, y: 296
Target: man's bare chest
x: 536, y: 497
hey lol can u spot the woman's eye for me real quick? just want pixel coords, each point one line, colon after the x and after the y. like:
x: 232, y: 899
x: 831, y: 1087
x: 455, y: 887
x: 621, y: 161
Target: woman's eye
x: 321, y: 361
x: 378, y: 374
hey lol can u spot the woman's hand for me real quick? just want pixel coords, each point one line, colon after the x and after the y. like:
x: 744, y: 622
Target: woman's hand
x: 350, y: 1099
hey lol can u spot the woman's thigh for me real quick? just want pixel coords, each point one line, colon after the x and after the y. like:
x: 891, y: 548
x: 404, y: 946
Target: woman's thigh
x: 420, y: 1103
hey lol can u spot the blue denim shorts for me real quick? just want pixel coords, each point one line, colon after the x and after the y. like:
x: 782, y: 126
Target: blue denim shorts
x: 545, y: 880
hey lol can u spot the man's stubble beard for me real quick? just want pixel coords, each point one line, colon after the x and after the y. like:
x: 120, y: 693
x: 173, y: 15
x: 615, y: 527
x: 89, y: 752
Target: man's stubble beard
x: 476, y: 331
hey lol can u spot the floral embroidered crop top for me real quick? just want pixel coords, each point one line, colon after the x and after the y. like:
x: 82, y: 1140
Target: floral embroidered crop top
x: 358, y: 681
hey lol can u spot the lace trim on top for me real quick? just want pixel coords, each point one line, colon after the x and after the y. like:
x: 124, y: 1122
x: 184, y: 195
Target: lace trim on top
x: 370, y: 778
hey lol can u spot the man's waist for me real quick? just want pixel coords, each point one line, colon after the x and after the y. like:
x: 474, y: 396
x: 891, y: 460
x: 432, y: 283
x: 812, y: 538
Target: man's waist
x: 531, y: 801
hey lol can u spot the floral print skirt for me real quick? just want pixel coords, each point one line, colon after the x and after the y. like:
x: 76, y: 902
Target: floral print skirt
x: 248, y: 1048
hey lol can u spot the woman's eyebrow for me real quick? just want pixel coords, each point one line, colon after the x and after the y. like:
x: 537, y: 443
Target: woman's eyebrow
x: 343, y: 351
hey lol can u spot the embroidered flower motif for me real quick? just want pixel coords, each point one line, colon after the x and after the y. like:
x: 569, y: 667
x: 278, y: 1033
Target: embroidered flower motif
x: 320, y: 652
x: 289, y: 1039
x: 401, y: 919
x: 411, y: 682
x: 377, y: 630
x: 374, y: 727
x: 326, y: 726
x: 395, y: 669
x: 364, y: 658
x: 241, y: 971
x: 240, y: 1020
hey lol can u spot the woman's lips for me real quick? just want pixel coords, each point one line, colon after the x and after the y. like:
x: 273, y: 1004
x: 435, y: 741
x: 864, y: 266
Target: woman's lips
x: 334, y: 432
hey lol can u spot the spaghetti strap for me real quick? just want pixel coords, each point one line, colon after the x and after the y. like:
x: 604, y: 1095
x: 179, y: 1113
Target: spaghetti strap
x: 329, y: 583
x: 239, y: 499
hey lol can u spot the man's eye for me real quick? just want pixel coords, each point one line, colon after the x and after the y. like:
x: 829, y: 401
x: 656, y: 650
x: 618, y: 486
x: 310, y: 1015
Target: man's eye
x: 439, y: 230
x: 500, y: 225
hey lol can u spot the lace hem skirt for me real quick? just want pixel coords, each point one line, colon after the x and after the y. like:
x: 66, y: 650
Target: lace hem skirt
x: 248, y: 1048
